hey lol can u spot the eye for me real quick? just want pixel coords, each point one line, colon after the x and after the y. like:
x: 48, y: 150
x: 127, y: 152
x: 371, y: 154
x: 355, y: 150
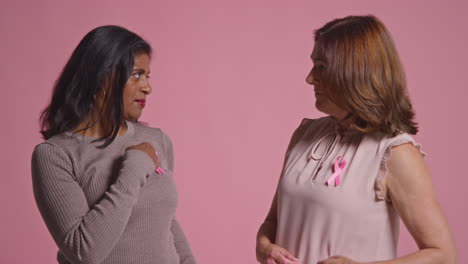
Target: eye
x: 137, y: 75
x: 319, y: 67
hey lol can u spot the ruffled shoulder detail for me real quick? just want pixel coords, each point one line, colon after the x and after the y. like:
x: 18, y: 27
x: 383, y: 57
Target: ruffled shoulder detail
x: 400, y: 140
x: 403, y: 138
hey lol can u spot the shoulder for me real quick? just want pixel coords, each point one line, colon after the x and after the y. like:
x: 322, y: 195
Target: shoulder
x: 63, y: 144
x: 52, y: 146
x: 47, y: 154
x: 401, y: 144
x: 307, y: 123
x: 404, y: 156
x: 324, y: 120
x: 401, y: 161
x: 146, y: 131
x: 44, y: 149
x: 404, y: 159
x: 144, y: 128
x: 406, y: 169
x: 310, y: 126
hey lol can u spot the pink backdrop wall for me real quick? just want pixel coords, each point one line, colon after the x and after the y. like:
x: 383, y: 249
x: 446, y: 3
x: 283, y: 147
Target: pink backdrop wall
x: 228, y: 80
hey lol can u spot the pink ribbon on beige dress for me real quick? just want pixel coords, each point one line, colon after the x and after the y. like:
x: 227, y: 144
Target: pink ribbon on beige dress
x: 340, y: 163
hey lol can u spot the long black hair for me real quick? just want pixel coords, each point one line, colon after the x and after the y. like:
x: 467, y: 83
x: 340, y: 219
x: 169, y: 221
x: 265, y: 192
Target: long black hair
x: 104, y: 57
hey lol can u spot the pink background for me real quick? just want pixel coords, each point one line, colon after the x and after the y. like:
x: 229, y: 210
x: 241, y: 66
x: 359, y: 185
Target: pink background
x: 228, y: 80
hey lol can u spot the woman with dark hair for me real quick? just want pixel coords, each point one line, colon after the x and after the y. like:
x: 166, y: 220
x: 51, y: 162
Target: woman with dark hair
x: 103, y: 191
x: 349, y: 176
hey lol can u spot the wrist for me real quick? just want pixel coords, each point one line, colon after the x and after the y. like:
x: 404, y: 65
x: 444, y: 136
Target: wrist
x: 263, y: 245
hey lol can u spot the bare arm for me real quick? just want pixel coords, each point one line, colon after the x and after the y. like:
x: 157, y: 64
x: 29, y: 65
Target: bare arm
x: 410, y: 189
x: 267, y: 231
x: 408, y: 185
x: 266, y: 250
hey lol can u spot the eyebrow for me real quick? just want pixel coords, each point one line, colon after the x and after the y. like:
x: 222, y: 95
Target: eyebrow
x: 316, y: 60
x: 139, y: 70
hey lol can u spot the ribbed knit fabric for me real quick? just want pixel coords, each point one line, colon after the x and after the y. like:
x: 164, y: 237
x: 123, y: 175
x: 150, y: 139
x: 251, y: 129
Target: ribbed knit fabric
x: 108, y: 205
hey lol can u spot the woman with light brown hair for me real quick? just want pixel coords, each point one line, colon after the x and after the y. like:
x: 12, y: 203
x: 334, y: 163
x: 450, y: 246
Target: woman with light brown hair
x: 348, y: 177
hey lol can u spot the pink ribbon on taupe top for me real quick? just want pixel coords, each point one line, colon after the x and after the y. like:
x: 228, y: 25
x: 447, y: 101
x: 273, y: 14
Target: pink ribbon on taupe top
x: 340, y: 163
x: 159, y: 170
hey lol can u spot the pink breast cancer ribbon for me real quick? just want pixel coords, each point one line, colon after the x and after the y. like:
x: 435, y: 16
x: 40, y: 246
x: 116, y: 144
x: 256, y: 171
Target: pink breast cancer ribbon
x: 340, y: 163
x: 159, y: 170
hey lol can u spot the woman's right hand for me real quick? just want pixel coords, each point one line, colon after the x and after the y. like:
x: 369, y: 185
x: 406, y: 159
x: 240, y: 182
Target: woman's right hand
x: 148, y: 149
x: 274, y: 254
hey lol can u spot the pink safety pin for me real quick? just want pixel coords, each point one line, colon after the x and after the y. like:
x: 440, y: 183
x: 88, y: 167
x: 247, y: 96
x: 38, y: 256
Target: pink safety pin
x: 340, y: 163
x: 159, y: 170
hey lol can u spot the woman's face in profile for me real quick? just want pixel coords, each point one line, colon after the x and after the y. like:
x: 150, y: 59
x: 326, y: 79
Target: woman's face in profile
x: 137, y: 87
x: 322, y: 102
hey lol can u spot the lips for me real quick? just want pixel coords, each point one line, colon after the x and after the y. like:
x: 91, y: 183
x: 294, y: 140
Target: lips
x: 142, y: 102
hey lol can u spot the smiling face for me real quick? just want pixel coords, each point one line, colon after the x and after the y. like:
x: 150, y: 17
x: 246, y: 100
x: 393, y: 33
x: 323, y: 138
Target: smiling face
x: 137, y: 88
x: 322, y: 101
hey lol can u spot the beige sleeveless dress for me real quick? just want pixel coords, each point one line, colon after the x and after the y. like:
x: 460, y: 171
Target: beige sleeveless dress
x: 315, y: 221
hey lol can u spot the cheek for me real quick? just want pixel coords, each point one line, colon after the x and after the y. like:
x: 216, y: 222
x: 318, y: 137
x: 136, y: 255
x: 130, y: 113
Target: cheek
x: 129, y: 94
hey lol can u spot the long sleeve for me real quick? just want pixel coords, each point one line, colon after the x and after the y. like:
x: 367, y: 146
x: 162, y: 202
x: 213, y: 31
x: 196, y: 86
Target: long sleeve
x: 85, y: 233
x: 180, y: 241
x: 181, y: 244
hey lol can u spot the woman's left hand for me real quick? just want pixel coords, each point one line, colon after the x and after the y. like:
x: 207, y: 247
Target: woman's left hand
x: 338, y: 260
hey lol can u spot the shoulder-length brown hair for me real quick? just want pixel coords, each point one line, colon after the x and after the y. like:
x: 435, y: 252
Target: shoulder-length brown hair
x: 363, y: 74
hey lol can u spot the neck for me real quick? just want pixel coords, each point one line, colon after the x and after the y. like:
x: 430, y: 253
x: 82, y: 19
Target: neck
x: 344, y: 120
x: 97, y: 127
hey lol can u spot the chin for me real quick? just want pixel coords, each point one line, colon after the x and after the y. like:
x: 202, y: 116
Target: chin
x: 319, y: 107
x: 133, y: 117
x: 322, y: 109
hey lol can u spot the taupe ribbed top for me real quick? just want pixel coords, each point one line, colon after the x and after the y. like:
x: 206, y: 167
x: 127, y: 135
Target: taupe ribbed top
x: 315, y: 221
x: 108, y: 205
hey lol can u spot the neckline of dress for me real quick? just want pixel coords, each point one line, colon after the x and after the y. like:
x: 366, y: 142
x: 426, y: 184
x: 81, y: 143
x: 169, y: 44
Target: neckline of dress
x: 130, y: 131
x: 342, y: 131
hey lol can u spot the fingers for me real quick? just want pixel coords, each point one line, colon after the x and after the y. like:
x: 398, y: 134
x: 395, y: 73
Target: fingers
x: 145, y: 146
x: 289, y: 256
x: 275, y: 254
x: 281, y: 258
x: 271, y: 261
x: 148, y: 146
x: 150, y: 151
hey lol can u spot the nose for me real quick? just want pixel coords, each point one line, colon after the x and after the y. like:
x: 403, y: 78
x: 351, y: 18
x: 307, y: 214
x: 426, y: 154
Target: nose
x: 146, y: 87
x: 310, y: 79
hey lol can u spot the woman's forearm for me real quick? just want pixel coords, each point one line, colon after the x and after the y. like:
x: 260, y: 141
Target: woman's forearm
x: 265, y: 236
x: 424, y: 256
